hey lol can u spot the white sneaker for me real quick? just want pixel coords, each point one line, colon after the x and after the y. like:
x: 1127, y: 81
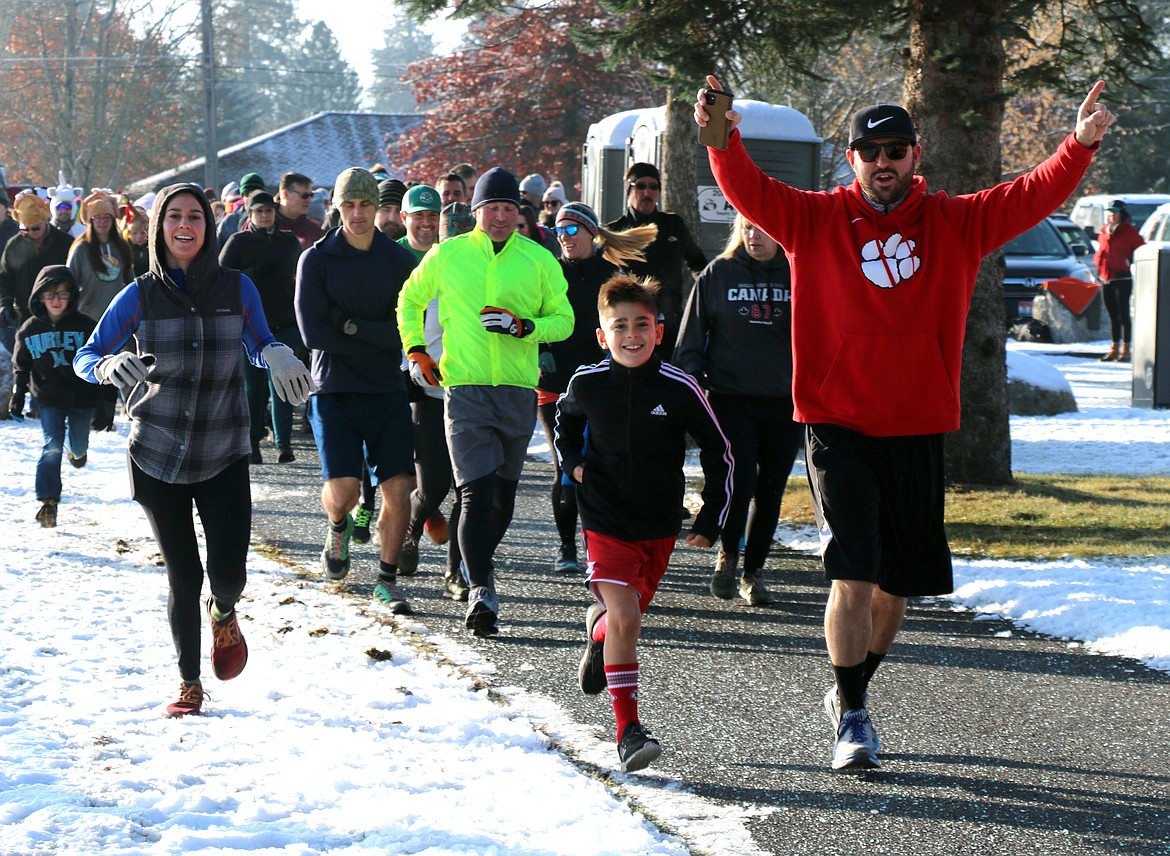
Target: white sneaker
x: 857, y: 742
x: 833, y: 706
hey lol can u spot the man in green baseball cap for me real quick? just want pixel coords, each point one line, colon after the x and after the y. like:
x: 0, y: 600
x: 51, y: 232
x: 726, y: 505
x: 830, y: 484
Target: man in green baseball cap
x: 420, y: 212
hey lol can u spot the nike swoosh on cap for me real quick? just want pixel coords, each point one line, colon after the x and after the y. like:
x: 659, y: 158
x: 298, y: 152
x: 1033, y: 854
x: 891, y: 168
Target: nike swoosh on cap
x: 871, y: 124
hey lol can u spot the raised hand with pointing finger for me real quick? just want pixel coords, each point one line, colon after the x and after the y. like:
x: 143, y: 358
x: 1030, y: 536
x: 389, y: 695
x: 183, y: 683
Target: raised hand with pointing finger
x: 1093, y: 118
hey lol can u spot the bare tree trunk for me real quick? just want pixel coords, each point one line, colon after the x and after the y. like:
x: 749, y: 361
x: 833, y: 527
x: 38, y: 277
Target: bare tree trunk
x: 679, y: 193
x: 954, y: 91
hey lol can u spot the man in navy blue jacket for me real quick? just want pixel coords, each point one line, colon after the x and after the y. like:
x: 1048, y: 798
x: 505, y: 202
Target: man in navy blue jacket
x: 346, y: 293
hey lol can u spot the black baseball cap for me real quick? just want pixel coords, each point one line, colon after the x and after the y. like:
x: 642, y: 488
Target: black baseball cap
x: 882, y: 121
x: 261, y: 199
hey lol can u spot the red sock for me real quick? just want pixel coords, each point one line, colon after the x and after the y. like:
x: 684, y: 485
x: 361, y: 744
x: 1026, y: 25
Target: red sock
x: 623, y: 689
x: 599, y: 627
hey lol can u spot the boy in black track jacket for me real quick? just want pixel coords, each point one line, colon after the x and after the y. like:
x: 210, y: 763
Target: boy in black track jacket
x: 628, y: 467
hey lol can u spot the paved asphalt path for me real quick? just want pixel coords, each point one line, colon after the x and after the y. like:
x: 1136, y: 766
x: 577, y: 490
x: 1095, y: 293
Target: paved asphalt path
x: 995, y: 740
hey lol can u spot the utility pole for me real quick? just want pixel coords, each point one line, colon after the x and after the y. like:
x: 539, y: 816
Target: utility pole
x: 211, y: 144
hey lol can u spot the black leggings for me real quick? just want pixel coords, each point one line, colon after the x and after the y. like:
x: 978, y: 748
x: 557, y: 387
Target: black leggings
x: 486, y: 512
x: 1116, y: 294
x: 764, y: 441
x: 432, y: 463
x: 224, y: 503
x: 564, y: 496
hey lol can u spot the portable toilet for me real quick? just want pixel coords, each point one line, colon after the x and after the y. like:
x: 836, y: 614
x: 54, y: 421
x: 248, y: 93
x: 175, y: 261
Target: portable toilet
x: 603, y: 164
x: 781, y: 140
x: 645, y: 144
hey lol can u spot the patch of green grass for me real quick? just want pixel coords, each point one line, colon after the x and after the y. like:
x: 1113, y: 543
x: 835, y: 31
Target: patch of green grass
x: 1045, y: 517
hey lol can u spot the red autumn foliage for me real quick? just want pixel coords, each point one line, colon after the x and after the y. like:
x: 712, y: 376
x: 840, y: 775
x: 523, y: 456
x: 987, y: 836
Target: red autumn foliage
x: 523, y: 98
x: 90, y: 92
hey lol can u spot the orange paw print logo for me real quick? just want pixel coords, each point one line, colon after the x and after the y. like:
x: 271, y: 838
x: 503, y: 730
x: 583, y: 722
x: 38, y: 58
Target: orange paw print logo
x: 886, y: 263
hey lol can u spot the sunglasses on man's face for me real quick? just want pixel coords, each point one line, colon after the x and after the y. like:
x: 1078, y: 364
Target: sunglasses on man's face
x: 644, y: 185
x: 868, y: 152
x: 569, y: 230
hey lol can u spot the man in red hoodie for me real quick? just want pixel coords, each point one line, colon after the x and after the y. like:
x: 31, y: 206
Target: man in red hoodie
x: 882, y: 277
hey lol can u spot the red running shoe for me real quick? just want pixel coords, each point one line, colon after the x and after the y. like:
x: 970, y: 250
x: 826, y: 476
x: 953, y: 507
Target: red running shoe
x: 436, y: 528
x: 190, y: 701
x: 229, y: 651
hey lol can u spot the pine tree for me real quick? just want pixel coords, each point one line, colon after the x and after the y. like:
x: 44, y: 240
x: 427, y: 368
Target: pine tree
x: 323, y: 80
x: 405, y: 43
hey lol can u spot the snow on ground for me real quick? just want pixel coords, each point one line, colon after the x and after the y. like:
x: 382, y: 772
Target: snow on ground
x: 325, y: 748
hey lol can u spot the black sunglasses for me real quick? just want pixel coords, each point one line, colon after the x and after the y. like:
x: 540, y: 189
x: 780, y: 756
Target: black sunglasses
x: 869, y: 151
x: 644, y: 185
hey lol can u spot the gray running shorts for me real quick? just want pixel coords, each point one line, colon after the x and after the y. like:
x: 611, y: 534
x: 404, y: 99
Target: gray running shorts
x: 488, y: 430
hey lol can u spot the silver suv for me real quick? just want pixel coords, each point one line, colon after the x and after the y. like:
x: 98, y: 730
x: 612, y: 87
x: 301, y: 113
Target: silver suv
x: 1089, y: 211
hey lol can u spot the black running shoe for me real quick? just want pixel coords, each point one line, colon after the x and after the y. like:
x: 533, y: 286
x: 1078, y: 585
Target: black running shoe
x: 591, y: 674
x: 361, y: 524
x: 408, y: 558
x: 723, y: 581
x: 637, y: 749
x: 483, y: 611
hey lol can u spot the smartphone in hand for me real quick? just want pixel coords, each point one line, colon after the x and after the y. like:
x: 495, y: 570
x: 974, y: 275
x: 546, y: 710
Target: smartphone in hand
x: 717, y: 131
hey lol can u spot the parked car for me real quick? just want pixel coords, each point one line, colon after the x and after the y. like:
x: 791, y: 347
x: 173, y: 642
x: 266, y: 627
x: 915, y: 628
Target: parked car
x: 1036, y: 256
x: 1089, y: 211
x: 1078, y: 236
x: 1156, y: 229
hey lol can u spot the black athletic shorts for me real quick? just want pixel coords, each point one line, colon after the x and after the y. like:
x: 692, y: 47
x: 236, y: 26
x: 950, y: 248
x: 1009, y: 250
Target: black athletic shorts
x: 879, y: 506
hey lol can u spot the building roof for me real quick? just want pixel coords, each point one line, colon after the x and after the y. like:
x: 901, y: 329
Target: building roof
x: 321, y: 147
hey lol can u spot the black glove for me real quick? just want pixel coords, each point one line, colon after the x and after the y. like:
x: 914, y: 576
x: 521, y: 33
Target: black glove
x: 16, y: 406
x: 7, y: 315
x: 497, y: 320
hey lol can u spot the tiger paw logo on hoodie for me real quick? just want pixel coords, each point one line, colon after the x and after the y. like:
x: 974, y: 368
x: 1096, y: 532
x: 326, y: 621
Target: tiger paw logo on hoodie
x: 886, y: 263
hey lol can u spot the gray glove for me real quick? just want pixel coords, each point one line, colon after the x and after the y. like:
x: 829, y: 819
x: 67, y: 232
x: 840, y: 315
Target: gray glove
x: 290, y: 378
x: 123, y: 369
x: 547, y: 362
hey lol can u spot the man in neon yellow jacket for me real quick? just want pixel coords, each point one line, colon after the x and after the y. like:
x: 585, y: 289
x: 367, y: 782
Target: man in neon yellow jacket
x: 500, y: 295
